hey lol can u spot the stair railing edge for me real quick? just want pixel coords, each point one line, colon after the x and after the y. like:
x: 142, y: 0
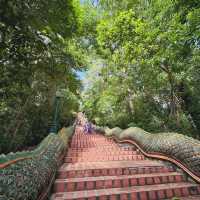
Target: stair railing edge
x: 161, y: 157
x: 60, y: 147
x: 156, y: 155
x: 44, y: 195
x: 18, y: 159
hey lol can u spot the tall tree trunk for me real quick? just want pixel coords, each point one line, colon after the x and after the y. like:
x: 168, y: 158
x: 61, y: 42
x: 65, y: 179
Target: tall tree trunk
x: 174, y: 102
x: 130, y: 102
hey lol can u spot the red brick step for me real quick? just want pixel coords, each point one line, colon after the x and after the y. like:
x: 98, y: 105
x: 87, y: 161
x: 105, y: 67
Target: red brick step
x: 97, y: 168
x: 149, y: 192
x: 111, y: 168
x: 77, y: 184
x: 93, y: 158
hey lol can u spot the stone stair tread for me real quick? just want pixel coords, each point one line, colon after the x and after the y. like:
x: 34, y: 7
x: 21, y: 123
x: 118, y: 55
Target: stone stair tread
x: 94, y: 146
x: 117, y: 177
x: 100, y: 153
x: 196, y: 197
x: 103, y: 158
x: 109, y: 165
x: 113, y: 191
x: 100, y: 157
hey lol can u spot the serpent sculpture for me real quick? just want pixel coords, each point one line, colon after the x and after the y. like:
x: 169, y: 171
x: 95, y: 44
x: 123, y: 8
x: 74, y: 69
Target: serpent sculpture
x: 179, y: 149
x: 26, y: 175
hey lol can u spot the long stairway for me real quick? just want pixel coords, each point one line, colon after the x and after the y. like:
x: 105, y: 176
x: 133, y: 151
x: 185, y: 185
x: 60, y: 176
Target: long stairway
x: 97, y: 168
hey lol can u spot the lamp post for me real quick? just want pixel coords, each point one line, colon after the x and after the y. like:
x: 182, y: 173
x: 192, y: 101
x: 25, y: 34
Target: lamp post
x: 54, y: 126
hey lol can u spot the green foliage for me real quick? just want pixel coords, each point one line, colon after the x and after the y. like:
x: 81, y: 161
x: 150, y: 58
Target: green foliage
x: 38, y: 55
x: 150, y: 73
x: 143, y: 59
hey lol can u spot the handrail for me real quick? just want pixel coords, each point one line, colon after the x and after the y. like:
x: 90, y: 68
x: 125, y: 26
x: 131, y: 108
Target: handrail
x: 178, y: 149
x: 6, y: 164
x: 160, y: 156
x: 35, y: 170
x: 14, y: 161
x: 44, y: 194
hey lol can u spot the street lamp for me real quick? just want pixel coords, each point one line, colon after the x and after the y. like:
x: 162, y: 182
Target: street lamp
x: 54, y: 126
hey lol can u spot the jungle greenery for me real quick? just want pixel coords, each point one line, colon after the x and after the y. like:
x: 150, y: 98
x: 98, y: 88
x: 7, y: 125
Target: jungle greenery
x: 39, y: 55
x: 148, y: 61
x: 141, y: 59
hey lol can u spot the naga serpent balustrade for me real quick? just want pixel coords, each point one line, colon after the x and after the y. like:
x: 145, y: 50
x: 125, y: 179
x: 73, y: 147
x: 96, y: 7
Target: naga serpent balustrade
x: 179, y: 149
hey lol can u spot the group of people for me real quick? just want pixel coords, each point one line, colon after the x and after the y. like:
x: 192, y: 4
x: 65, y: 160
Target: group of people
x: 83, y: 121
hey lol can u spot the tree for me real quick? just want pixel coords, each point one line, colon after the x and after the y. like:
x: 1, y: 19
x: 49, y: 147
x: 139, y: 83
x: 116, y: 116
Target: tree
x: 149, y: 49
x: 37, y: 57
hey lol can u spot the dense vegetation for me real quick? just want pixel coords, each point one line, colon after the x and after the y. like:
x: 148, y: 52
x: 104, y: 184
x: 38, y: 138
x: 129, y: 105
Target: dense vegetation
x: 39, y: 54
x: 148, y: 66
x: 142, y: 57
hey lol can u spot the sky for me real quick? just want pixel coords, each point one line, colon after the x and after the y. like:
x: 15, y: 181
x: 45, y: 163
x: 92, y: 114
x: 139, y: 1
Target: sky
x: 80, y: 74
x: 95, y: 2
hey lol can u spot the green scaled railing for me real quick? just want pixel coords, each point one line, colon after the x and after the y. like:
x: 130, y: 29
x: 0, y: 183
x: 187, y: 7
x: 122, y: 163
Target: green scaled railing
x: 179, y: 149
x: 27, y: 175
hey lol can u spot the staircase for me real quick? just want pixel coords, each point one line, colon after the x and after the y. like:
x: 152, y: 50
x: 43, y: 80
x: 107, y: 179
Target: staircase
x: 97, y: 168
